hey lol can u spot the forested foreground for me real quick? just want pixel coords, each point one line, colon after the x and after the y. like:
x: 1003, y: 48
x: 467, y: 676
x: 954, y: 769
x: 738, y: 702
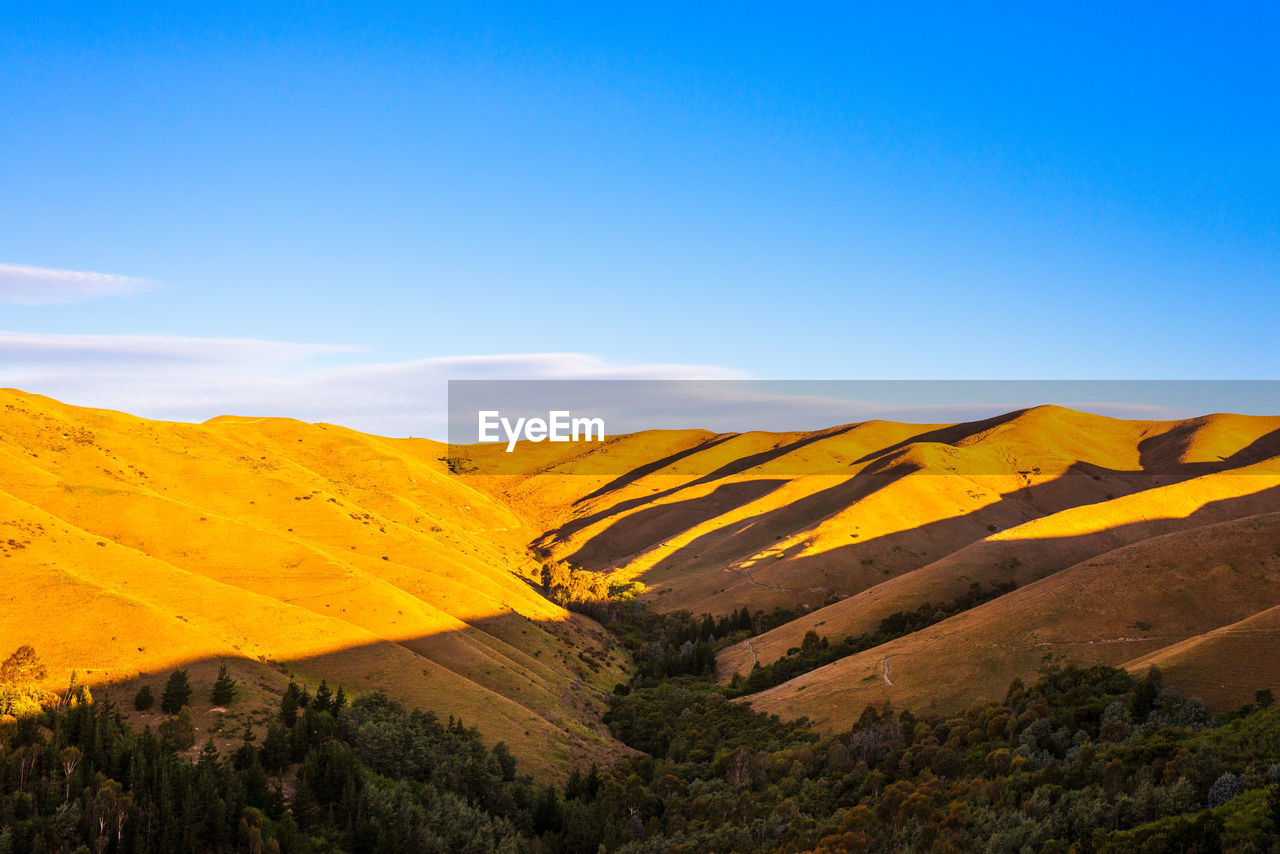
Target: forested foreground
x: 1082, y: 759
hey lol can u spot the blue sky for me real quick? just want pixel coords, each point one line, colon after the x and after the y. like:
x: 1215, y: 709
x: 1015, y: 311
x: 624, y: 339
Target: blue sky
x: 772, y: 191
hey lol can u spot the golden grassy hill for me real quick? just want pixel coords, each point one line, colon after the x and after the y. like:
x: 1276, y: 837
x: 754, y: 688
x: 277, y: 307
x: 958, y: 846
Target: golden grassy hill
x: 861, y: 521
x: 129, y: 546
x: 287, y: 548
x: 715, y: 522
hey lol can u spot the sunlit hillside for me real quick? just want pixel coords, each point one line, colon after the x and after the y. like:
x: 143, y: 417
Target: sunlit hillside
x: 130, y: 546
x: 851, y: 525
x: 312, y: 551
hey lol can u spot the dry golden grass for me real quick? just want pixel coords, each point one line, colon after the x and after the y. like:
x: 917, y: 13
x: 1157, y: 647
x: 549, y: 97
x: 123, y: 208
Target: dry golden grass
x: 286, y: 549
x: 129, y: 546
x: 801, y: 519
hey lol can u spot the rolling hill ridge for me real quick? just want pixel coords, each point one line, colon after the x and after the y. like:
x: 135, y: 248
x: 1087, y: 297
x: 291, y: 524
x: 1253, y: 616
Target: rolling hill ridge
x: 312, y: 551
x: 851, y: 525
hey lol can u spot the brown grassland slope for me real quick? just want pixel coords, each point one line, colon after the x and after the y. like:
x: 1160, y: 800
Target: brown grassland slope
x: 1177, y: 598
x: 1023, y: 554
x: 1214, y: 665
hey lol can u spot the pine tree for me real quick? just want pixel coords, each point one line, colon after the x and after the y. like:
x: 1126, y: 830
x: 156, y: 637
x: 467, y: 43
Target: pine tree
x: 208, y: 758
x: 289, y: 705
x: 505, y: 760
x: 573, y: 788
x: 224, y: 689
x: 275, y: 748
x: 177, y: 693
x: 323, y: 699
x: 144, y: 699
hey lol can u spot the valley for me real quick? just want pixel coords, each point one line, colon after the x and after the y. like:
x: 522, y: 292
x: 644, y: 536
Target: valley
x: 309, y: 552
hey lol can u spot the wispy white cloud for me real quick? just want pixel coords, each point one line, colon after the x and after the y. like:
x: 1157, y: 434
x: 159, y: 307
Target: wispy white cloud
x: 34, y: 348
x: 193, y: 379
x: 23, y: 285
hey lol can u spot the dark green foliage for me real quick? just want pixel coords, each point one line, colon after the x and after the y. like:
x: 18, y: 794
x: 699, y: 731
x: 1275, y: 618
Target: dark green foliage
x: 1059, y: 764
x: 687, y: 720
x: 664, y: 645
x: 178, y: 732
x: 224, y: 688
x: 377, y: 778
x: 1064, y: 762
x: 144, y: 700
x: 289, y: 705
x: 1049, y: 763
x: 506, y: 762
x: 177, y: 692
x: 1144, y: 695
x: 274, y: 754
x: 323, y: 700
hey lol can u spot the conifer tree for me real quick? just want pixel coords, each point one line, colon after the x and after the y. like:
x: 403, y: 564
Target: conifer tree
x: 224, y: 689
x: 177, y: 693
x: 144, y: 699
x: 289, y: 705
x: 322, y: 702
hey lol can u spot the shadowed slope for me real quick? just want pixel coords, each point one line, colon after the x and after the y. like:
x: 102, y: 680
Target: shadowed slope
x: 1023, y: 554
x: 1223, y: 665
x: 1113, y: 608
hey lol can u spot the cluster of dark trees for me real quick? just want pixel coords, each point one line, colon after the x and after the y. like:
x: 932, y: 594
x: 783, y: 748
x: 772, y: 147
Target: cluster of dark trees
x: 677, y: 642
x: 330, y: 775
x: 592, y: 594
x: 669, y: 645
x: 1088, y: 759
x: 177, y: 692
